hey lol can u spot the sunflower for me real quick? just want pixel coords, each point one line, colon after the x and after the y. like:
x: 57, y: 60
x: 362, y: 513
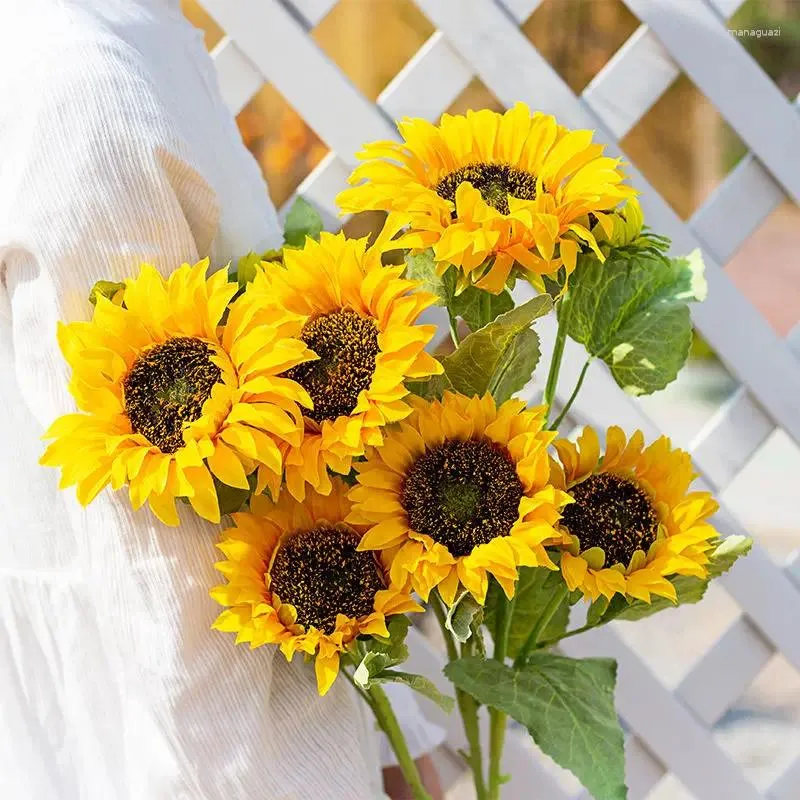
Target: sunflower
x: 458, y: 492
x: 358, y: 317
x: 487, y: 191
x: 296, y: 578
x: 170, y: 400
x: 633, y: 521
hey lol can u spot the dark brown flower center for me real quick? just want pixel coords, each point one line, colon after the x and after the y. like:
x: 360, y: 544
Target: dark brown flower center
x: 612, y: 513
x: 347, y: 345
x: 166, y: 387
x: 495, y: 182
x: 462, y: 494
x: 321, y: 573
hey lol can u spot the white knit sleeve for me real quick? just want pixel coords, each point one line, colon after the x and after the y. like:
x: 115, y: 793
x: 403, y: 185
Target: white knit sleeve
x: 96, y: 179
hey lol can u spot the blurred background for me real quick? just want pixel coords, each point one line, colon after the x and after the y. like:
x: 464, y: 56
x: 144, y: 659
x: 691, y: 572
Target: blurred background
x: 685, y: 149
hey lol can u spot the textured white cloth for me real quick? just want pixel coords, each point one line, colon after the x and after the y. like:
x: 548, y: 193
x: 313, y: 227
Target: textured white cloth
x: 115, y: 148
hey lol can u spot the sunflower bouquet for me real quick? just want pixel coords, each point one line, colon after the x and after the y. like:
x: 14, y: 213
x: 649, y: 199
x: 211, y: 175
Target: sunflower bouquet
x: 370, y: 470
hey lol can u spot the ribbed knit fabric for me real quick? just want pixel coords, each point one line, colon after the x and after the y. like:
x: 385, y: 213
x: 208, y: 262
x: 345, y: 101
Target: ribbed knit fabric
x: 115, y: 148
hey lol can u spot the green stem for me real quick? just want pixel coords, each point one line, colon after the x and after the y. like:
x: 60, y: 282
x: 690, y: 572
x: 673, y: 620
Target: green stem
x: 382, y: 709
x: 498, y: 720
x: 558, y: 354
x: 486, y: 307
x: 467, y: 705
x: 533, y: 637
x: 575, y: 391
x: 567, y: 635
x: 453, y: 327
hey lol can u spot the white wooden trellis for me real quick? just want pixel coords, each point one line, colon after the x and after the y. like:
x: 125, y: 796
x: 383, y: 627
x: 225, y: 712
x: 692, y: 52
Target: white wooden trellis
x: 268, y: 40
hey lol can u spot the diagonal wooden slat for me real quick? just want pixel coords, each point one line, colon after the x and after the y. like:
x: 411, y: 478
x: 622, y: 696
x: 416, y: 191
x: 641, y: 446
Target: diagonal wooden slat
x: 508, y: 65
x: 265, y: 31
x: 717, y: 63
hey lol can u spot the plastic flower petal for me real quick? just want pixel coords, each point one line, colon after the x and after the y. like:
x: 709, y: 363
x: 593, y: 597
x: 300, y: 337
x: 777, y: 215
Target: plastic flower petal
x: 460, y: 492
x: 633, y: 522
x: 359, y: 318
x: 491, y: 192
x: 169, y: 399
x: 296, y: 578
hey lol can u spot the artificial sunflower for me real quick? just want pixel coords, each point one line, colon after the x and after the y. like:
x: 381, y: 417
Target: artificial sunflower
x: 170, y: 400
x: 489, y: 191
x: 296, y: 578
x: 633, y: 521
x: 358, y: 317
x: 460, y: 491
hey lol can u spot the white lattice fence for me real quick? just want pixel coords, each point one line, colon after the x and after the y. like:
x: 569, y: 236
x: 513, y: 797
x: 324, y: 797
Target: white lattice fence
x: 267, y: 40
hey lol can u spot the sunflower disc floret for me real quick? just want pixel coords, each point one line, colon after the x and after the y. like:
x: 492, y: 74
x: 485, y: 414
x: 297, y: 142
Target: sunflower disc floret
x: 459, y: 492
x: 171, y: 400
x: 358, y: 317
x: 633, y: 521
x: 492, y: 192
x: 296, y: 578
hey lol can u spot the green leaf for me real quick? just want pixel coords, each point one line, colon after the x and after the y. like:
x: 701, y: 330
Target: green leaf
x: 245, y: 270
x: 478, y: 308
x: 566, y: 704
x: 107, y: 289
x: 535, y: 588
x: 431, y: 389
x: 688, y: 588
x: 395, y: 645
x: 420, y: 684
x: 632, y: 311
x: 497, y: 357
x: 422, y: 267
x: 464, y: 617
x: 372, y: 665
x: 232, y: 499
x: 301, y: 221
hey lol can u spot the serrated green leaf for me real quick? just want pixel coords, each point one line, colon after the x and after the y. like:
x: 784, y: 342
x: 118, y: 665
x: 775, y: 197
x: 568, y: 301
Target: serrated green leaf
x: 422, y: 267
x: 518, y: 367
x: 301, y: 221
x: 491, y: 360
x: 632, y: 312
x: 566, y: 704
x: 535, y: 588
x: 688, y: 588
x: 107, y: 289
x: 419, y: 683
x: 464, y: 617
x: 478, y: 308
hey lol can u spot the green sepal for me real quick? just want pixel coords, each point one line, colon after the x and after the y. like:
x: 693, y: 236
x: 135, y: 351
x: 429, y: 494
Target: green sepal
x: 464, y: 617
x: 422, y: 267
x: 478, y: 308
x: 232, y: 499
x: 303, y: 220
x: 107, y: 289
x: 381, y: 654
x: 688, y: 588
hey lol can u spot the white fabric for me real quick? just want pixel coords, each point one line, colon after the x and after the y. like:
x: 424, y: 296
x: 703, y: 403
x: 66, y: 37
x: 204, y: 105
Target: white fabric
x: 115, y: 148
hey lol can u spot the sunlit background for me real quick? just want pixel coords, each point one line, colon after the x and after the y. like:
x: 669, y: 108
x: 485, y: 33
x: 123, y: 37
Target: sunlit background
x: 685, y: 149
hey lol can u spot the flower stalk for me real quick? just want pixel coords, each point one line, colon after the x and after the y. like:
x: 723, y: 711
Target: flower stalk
x: 382, y: 708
